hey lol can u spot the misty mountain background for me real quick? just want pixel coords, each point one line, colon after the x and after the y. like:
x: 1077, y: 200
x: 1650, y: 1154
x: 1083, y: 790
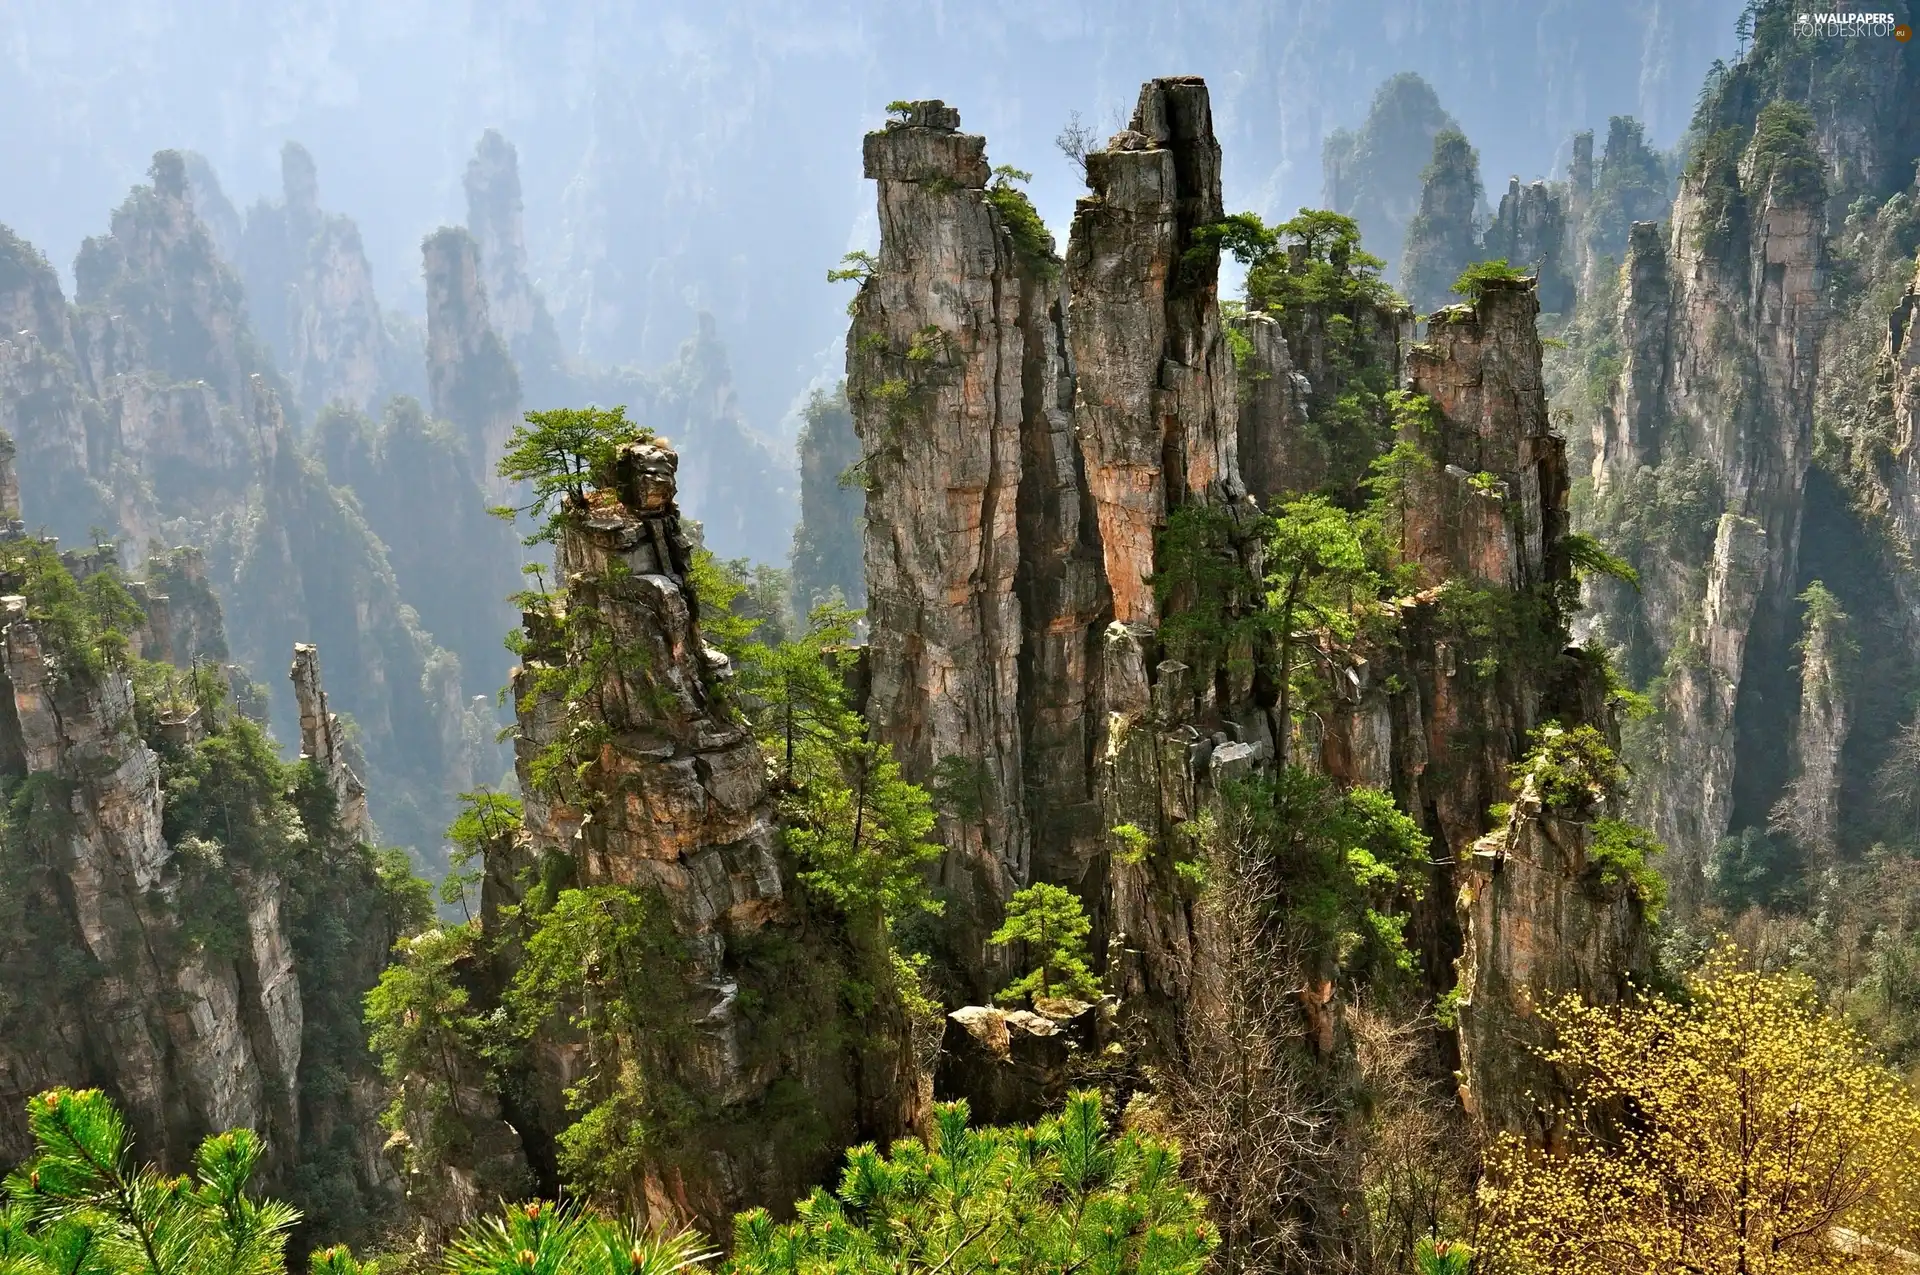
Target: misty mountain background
x: 683, y: 157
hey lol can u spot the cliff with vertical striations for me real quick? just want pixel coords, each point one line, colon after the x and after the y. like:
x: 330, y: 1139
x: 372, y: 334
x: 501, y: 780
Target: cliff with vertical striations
x: 186, y: 927
x: 935, y: 362
x: 470, y: 371
x: 762, y: 1069
x: 953, y: 359
x: 515, y: 307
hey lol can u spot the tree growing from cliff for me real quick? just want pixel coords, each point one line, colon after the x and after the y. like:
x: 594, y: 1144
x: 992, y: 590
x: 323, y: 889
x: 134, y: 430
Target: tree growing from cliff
x: 1067, y: 1194
x: 560, y: 454
x: 863, y: 840
x: 1049, y: 920
x: 1318, y: 572
x: 1760, y: 1126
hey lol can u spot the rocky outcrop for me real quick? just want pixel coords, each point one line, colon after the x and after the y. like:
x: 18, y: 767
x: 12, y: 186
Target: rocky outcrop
x: 130, y: 965
x: 1720, y: 330
x: 9, y: 485
x: 952, y: 366
x: 1443, y: 239
x: 322, y: 745
x: 514, y: 306
x: 1579, y: 199
x: 936, y: 360
x: 311, y: 290
x: 826, y: 542
x: 1809, y: 810
x: 1013, y: 1066
x: 1542, y: 923
x: 1154, y: 404
x: 190, y: 1041
x: 1530, y: 233
x: 469, y: 369
x: 675, y: 806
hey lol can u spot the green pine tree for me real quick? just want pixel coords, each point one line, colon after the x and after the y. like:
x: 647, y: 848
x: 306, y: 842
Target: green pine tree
x: 1064, y: 1195
x: 1051, y: 922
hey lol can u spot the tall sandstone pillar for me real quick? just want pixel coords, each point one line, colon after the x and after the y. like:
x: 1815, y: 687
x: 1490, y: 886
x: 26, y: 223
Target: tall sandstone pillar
x: 937, y: 361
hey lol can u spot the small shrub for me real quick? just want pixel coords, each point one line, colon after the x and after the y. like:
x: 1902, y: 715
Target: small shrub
x: 1622, y: 854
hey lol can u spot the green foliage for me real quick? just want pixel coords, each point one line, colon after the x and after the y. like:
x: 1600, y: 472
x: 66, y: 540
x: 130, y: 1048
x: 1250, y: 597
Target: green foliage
x: 1572, y: 771
x: 560, y: 454
x: 1622, y: 854
x: 1714, y: 170
x: 602, y: 677
x: 1753, y: 869
x: 424, y: 1029
x: 1064, y: 1195
x: 1312, y: 277
x: 1586, y: 556
x: 963, y: 787
x: 1822, y: 614
x: 1032, y: 245
x: 1134, y: 843
x: 607, y: 960
x: 1312, y: 260
x: 81, y: 1206
x: 863, y: 841
x: 538, y: 1238
x: 1318, y: 572
x: 794, y: 698
x: 1051, y: 922
x: 856, y: 267
x: 1442, y: 1257
x: 1348, y: 864
x: 1473, y: 281
x: 1785, y: 154
x: 487, y: 820
x: 1207, y: 593
x: 84, y: 626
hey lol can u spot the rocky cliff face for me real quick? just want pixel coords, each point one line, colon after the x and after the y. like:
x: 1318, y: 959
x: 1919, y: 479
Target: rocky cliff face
x: 469, y: 369
x: 1720, y: 326
x: 192, y: 1042
x: 161, y: 958
x: 676, y: 809
x: 935, y: 362
x: 310, y: 289
x: 515, y: 307
x: 958, y: 386
x: 1530, y: 233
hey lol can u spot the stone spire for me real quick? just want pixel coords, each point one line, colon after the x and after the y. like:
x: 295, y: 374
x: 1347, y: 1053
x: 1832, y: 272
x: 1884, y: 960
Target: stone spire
x: 9, y: 485
x: 322, y: 744
x: 469, y: 370
x: 935, y: 375
x: 1155, y: 404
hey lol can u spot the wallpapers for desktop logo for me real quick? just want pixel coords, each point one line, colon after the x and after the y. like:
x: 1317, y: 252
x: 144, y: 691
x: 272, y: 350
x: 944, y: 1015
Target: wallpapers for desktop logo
x: 1846, y: 24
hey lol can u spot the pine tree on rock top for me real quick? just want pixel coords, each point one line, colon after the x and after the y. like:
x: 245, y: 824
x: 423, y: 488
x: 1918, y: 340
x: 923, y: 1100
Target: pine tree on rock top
x: 1051, y: 922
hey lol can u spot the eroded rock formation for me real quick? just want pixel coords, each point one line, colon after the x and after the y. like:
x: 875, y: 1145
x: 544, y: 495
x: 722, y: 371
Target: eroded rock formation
x: 515, y: 307
x: 676, y: 807
x: 469, y: 368
x: 310, y: 289
x: 321, y: 742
